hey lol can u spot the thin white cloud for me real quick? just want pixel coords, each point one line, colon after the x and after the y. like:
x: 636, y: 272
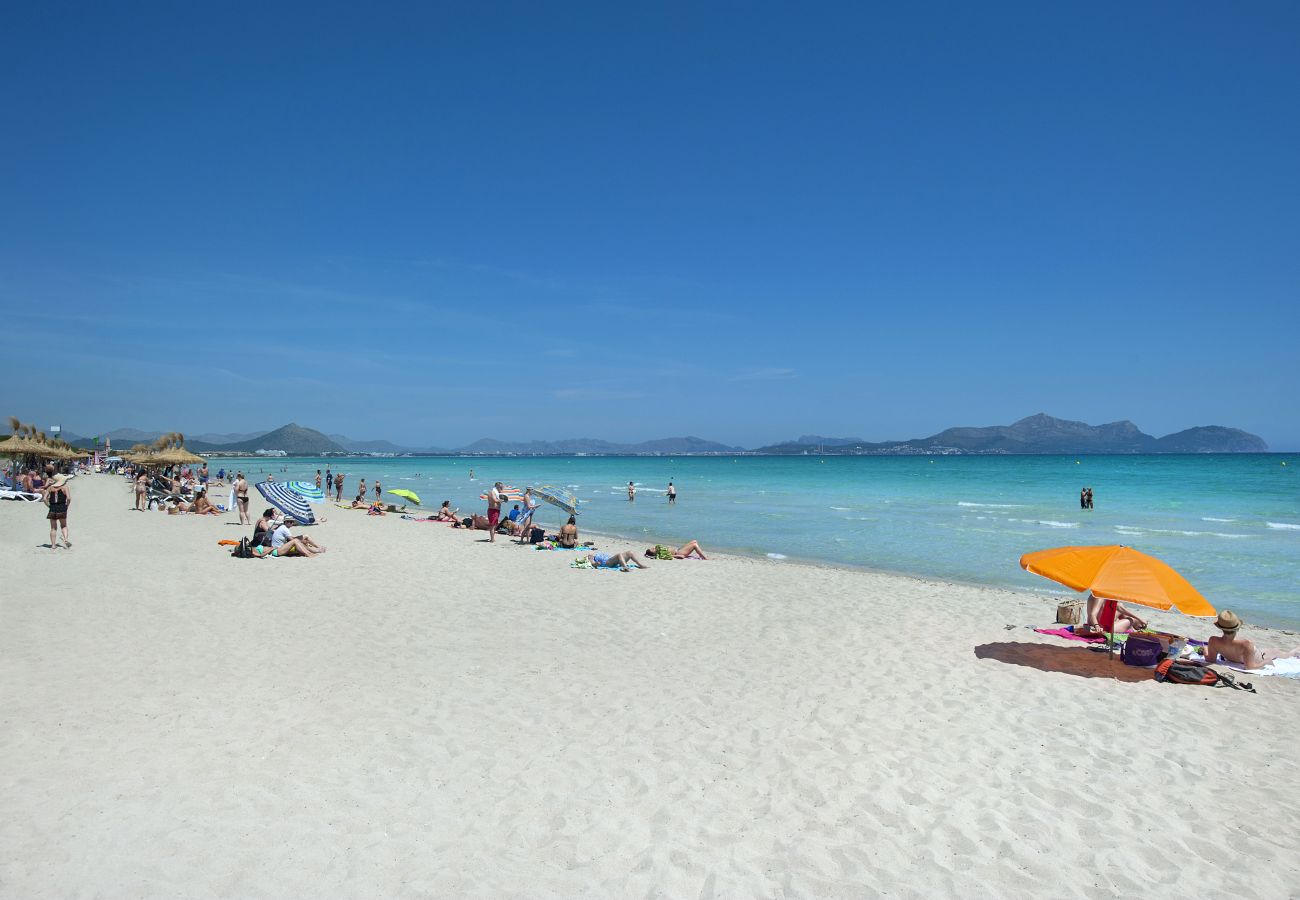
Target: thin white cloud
x: 770, y: 373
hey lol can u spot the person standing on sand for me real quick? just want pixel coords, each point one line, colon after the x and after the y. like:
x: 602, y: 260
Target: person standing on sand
x: 494, y: 510
x: 526, y: 517
x: 241, y: 499
x: 338, y: 488
x: 672, y: 493
x: 57, y: 500
x: 318, y: 479
x: 142, y: 491
x: 631, y: 492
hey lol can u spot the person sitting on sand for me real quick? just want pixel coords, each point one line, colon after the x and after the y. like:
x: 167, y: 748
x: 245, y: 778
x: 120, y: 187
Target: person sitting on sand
x: 685, y: 551
x: 568, y: 536
x: 376, y: 509
x: 1235, y: 648
x: 620, y: 561
x: 262, y: 530
x: 285, y: 543
x: 1108, y: 617
x: 203, y: 506
x: 446, y: 513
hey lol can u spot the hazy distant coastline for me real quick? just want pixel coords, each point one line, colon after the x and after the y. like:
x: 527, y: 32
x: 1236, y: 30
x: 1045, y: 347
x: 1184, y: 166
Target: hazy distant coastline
x: 1037, y: 434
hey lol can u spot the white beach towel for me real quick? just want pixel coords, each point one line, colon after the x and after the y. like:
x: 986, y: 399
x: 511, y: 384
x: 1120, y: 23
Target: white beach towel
x: 1287, y: 667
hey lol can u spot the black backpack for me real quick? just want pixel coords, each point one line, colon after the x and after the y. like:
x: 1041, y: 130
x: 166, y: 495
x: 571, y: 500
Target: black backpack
x: 1176, y: 671
x: 244, y: 550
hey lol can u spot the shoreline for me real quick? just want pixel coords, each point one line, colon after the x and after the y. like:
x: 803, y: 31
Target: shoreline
x: 420, y: 712
x: 1047, y: 595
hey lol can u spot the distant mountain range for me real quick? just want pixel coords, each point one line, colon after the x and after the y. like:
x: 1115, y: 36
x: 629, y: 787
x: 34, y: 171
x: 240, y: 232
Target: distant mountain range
x: 1040, y: 434
x: 1033, y: 435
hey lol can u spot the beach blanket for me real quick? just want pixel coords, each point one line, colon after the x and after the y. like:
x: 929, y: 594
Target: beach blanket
x: 585, y: 563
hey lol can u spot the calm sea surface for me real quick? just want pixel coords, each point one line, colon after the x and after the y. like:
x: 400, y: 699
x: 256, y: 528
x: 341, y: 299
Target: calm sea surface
x: 1230, y: 523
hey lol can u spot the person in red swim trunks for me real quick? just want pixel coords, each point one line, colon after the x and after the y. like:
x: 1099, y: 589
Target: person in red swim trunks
x: 494, y: 498
x: 1108, y: 617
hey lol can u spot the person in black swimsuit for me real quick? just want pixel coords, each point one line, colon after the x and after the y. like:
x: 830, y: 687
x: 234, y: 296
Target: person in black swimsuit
x: 58, y: 501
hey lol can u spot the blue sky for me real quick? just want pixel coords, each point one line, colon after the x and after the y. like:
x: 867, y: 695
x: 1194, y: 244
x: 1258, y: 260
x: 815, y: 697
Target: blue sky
x: 741, y: 221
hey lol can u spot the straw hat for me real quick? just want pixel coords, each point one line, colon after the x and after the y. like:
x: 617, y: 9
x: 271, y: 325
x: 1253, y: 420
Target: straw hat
x: 1227, y: 621
x: 59, y: 480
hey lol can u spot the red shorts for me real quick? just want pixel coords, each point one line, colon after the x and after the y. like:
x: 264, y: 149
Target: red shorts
x: 494, y: 516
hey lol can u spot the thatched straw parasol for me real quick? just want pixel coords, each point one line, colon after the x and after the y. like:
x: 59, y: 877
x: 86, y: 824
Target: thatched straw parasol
x: 26, y: 446
x: 175, y: 456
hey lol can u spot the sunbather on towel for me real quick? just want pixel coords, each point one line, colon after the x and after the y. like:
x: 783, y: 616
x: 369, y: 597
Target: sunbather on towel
x: 620, y: 561
x: 446, y: 513
x: 685, y: 551
x: 1235, y: 648
x: 568, y: 536
x: 1108, y: 617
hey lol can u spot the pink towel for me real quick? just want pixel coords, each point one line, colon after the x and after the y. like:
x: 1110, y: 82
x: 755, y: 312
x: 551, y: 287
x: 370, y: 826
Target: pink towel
x: 1069, y: 635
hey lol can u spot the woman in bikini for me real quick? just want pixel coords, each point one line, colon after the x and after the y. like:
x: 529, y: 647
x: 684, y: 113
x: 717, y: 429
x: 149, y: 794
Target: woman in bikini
x: 241, y: 498
x: 141, y: 491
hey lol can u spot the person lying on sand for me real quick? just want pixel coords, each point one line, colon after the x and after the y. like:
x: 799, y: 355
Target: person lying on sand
x: 619, y: 561
x: 1108, y: 617
x: 446, y: 513
x: 1235, y: 648
x: 659, y: 551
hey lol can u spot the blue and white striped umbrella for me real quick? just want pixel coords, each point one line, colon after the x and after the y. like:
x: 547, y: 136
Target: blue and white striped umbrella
x: 564, y: 499
x: 307, y: 489
x: 291, y: 503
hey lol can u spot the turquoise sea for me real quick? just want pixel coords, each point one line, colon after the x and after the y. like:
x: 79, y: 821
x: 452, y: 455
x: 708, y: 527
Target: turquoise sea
x: 1230, y: 523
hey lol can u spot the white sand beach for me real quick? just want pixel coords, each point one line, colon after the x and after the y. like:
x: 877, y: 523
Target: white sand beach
x: 419, y: 713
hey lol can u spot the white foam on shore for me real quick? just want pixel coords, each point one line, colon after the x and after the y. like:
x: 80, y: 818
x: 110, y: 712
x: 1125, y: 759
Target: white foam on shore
x: 777, y: 556
x: 1133, y: 530
x: 1051, y: 524
x: 992, y: 505
x: 1286, y: 526
x: 1213, y: 519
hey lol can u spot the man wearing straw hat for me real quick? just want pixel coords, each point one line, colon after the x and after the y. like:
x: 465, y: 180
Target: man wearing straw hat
x: 1235, y: 648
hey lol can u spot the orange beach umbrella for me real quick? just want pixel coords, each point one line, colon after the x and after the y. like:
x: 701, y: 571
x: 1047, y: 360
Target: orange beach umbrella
x: 1116, y: 572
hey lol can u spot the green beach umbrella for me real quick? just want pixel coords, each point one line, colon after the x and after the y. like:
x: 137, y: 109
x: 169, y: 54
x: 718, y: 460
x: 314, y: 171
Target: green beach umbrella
x: 406, y: 495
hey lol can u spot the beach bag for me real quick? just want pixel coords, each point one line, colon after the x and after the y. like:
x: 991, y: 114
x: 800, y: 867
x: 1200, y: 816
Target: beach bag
x: 244, y: 550
x: 1175, y: 671
x: 1070, y: 612
x: 536, y: 535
